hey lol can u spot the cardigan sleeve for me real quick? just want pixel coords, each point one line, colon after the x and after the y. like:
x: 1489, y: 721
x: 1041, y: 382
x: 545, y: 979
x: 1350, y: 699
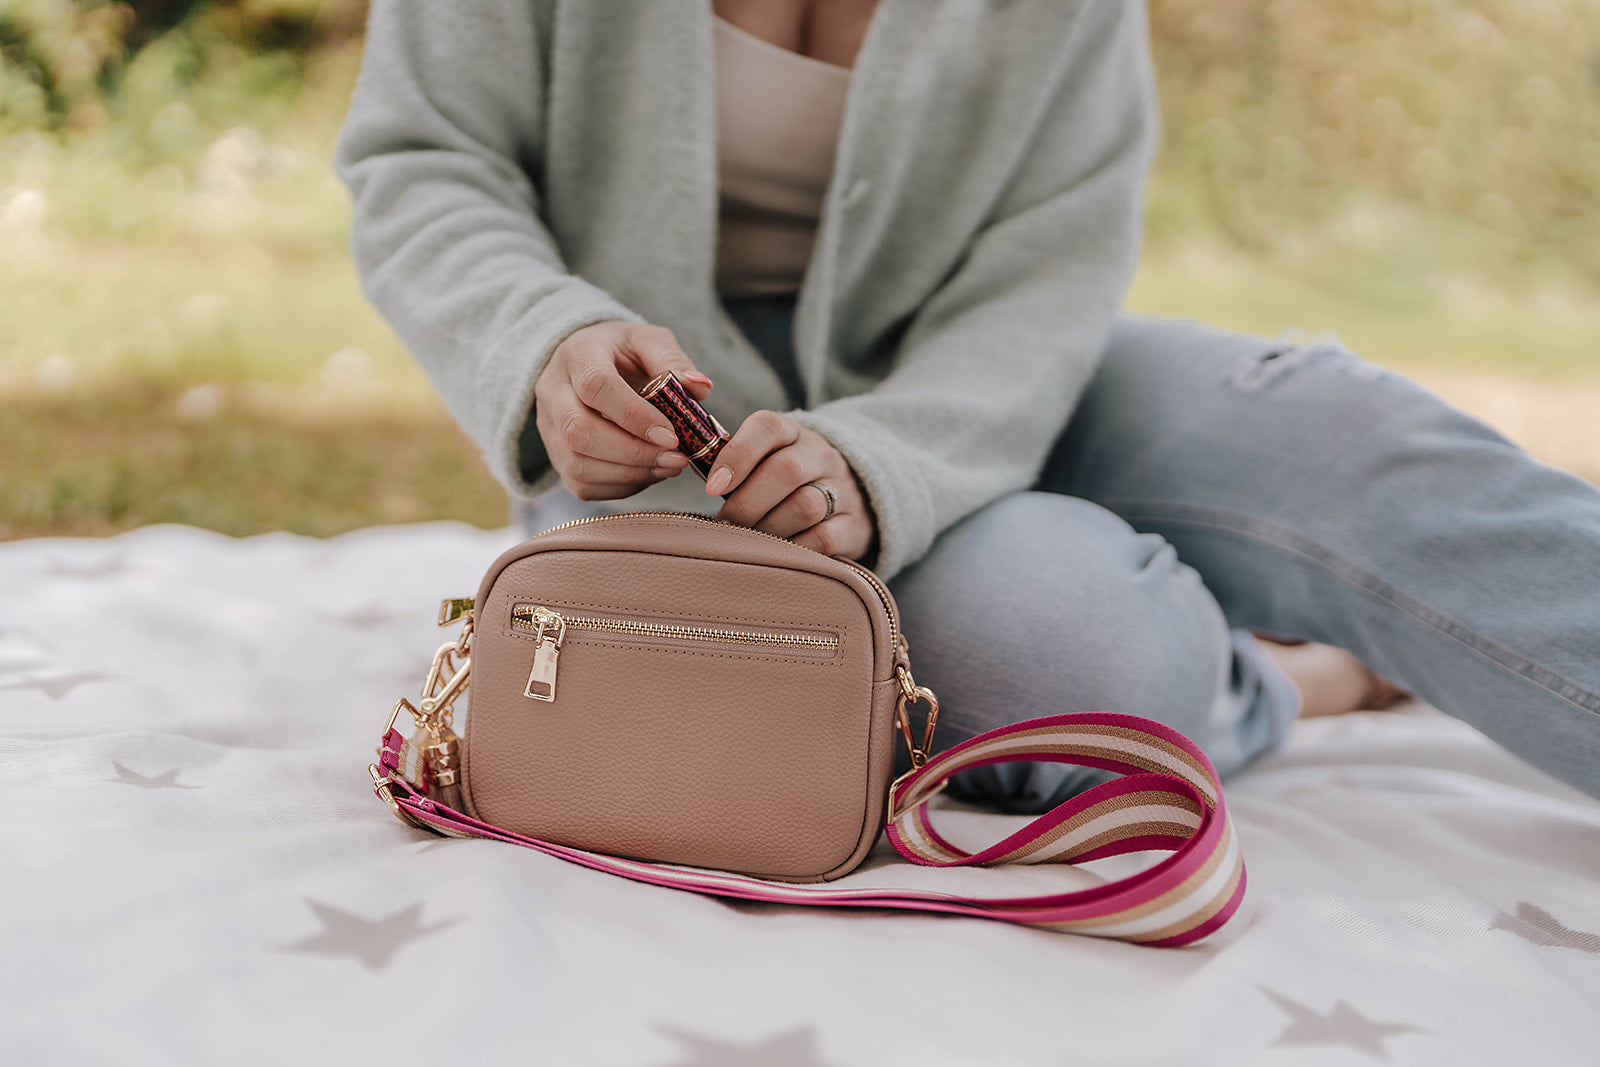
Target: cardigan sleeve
x: 993, y: 362
x: 446, y: 233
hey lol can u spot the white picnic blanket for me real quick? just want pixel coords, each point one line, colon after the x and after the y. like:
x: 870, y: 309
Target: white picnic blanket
x: 195, y: 871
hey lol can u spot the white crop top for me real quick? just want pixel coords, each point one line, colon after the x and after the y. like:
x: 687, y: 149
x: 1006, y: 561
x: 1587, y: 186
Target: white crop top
x: 778, y: 115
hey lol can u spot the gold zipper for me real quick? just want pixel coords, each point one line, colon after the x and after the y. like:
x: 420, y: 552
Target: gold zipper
x: 895, y: 639
x: 526, y: 617
x: 550, y: 629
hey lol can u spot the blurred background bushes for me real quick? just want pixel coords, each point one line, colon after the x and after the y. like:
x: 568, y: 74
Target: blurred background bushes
x: 182, y: 337
x: 1287, y: 114
x: 85, y: 65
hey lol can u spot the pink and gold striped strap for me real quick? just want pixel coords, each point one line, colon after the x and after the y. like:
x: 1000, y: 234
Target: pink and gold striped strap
x: 1169, y: 799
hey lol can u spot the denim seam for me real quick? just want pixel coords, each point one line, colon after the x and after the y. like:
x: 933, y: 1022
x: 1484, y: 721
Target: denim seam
x: 1288, y: 541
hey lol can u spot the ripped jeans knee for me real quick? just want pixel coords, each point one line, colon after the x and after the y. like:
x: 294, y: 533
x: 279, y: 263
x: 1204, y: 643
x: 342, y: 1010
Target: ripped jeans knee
x: 1292, y: 350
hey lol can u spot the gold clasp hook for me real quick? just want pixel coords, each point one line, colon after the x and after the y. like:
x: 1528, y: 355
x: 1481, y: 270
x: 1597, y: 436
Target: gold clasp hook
x: 429, y: 759
x: 911, y: 693
x: 439, y: 695
x: 446, y: 680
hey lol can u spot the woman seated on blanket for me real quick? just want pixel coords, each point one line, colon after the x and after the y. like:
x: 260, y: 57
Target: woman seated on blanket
x: 896, y: 236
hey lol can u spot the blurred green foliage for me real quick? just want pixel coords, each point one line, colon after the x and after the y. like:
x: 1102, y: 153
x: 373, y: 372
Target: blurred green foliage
x: 1281, y: 114
x: 114, y: 117
x: 160, y: 70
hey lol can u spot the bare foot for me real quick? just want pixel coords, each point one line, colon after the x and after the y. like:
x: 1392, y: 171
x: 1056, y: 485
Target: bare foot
x: 1331, y: 681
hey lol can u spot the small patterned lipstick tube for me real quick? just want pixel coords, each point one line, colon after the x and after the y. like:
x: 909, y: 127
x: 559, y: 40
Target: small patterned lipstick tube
x: 700, y: 435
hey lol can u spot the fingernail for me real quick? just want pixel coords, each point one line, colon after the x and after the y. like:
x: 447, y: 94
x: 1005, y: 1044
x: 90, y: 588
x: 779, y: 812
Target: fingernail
x: 672, y: 459
x: 718, y: 481
x: 697, y: 377
x: 660, y: 435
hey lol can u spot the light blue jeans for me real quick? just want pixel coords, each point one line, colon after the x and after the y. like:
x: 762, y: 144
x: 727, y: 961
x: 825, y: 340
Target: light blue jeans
x: 1210, y: 484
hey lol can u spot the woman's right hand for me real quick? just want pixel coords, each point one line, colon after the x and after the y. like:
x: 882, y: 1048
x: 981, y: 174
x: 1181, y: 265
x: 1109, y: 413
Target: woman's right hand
x: 603, y: 438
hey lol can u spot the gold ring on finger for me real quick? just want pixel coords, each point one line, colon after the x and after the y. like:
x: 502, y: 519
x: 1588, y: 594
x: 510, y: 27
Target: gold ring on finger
x: 833, y: 498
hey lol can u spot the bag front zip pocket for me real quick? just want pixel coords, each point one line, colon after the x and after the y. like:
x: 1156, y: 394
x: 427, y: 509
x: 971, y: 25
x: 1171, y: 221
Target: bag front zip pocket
x: 550, y: 629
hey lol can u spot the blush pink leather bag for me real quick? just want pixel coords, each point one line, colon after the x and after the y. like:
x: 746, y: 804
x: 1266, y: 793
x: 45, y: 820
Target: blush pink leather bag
x: 700, y: 705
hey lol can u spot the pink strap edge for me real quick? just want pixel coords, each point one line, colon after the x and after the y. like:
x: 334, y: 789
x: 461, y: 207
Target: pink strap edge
x: 1180, y: 900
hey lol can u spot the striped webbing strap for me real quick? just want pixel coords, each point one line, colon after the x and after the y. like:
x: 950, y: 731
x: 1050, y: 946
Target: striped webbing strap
x: 1168, y: 799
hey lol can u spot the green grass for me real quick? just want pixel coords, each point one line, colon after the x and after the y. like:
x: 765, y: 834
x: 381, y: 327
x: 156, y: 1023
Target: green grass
x: 212, y: 382
x: 311, y: 417
x: 103, y: 461
x: 1446, y: 319
x: 187, y: 342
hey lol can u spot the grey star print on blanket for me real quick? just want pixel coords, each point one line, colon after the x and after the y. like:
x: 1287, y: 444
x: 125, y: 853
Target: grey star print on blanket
x: 199, y: 873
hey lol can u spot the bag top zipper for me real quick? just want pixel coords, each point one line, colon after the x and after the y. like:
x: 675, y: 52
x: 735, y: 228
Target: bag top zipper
x: 896, y: 642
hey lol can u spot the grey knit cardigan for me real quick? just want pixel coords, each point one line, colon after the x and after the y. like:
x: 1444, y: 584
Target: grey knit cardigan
x: 524, y: 168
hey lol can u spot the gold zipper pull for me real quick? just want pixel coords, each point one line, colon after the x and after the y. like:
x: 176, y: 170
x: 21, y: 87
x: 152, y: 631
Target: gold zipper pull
x: 552, y: 630
x: 542, y: 679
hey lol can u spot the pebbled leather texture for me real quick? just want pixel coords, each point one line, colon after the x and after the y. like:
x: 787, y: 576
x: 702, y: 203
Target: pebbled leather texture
x: 768, y: 761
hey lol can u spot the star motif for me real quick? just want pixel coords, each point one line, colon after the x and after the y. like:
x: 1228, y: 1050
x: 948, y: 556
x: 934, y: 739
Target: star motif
x: 164, y: 780
x: 1341, y: 1026
x: 796, y: 1048
x: 105, y: 567
x: 59, y: 686
x: 1537, y: 926
x: 372, y: 941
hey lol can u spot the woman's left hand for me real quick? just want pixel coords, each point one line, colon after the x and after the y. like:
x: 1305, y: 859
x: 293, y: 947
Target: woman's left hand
x: 765, y: 471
